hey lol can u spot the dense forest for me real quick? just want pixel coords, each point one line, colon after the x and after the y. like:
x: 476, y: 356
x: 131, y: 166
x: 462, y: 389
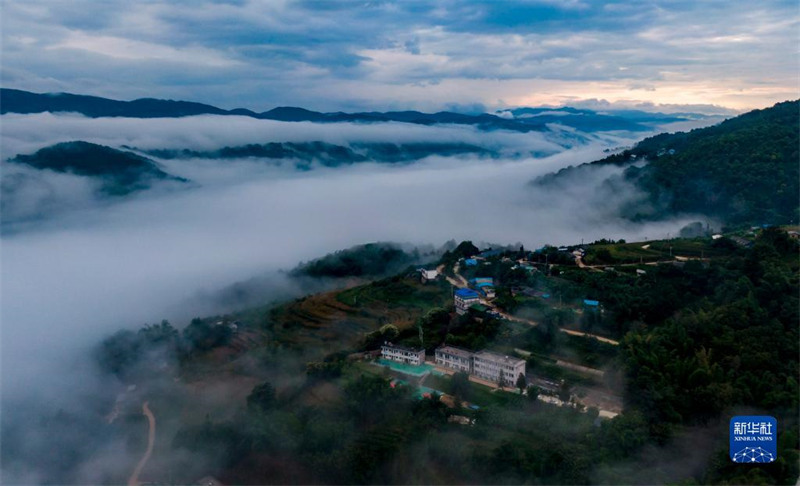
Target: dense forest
x: 743, y: 171
x: 369, y: 260
x: 120, y: 172
x: 700, y: 341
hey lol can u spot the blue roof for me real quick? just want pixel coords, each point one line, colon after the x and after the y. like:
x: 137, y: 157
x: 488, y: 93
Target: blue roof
x: 470, y: 262
x: 593, y: 303
x: 467, y: 294
x: 482, y: 282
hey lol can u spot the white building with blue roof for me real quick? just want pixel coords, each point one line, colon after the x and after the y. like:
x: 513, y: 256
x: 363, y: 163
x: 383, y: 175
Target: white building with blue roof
x: 463, y: 299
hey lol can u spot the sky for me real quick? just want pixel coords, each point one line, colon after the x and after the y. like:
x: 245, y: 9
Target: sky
x: 468, y: 56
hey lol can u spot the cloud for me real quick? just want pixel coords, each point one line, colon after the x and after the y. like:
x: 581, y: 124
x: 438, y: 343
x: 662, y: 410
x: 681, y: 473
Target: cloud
x: 69, y: 281
x: 356, y: 55
x: 127, y: 49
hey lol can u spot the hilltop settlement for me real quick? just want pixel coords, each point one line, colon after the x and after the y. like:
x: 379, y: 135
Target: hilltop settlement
x: 494, y: 365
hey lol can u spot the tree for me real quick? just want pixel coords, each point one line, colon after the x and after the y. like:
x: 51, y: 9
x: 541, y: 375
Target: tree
x: 522, y: 383
x: 460, y: 386
x: 201, y: 335
x: 506, y: 300
x: 262, y: 397
x: 564, y: 392
x: 533, y: 393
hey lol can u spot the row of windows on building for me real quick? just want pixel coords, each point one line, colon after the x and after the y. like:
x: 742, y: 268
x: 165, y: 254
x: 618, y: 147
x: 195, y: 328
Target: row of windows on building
x: 484, y: 364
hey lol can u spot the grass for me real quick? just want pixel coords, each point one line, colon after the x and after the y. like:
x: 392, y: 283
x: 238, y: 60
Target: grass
x: 656, y: 250
x: 398, y: 292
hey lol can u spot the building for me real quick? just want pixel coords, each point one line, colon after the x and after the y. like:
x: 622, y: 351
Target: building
x: 591, y: 304
x: 487, y: 291
x: 426, y: 276
x: 470, y: 262
x: 484, y: 285
x: 454, y: 358
x: 498, y: 368
x: 403, y: 354
x: 463, y: 298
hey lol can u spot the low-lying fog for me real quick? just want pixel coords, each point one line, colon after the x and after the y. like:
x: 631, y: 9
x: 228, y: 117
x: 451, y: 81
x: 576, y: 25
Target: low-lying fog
x: 69, y: 281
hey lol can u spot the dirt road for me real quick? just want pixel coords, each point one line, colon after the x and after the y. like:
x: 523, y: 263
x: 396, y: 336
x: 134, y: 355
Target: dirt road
x: 461, y: 282
x: 151, y: 439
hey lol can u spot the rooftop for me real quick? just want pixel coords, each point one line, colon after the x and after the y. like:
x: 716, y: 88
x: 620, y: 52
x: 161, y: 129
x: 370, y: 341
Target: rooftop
x: 467, y: 294
x: 402, y: 348
x: 479, y: 307
x: 591, y: 303
x: 488, y: 355
x: 455, y: 351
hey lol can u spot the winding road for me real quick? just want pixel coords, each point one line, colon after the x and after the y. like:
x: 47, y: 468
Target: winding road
x: 151, y: 439
x: 460, y: 282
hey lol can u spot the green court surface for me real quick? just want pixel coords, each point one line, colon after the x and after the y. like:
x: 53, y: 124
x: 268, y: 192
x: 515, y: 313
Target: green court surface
x: 406, y: 368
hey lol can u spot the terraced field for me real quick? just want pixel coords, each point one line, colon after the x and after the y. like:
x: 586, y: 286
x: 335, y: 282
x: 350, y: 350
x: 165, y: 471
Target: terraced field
x: 338, y: 320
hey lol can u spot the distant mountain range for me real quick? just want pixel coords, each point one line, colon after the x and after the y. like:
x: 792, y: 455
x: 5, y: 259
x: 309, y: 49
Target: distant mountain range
x: 743, y: 171
x: 520, y: 119
x: 330, y: 155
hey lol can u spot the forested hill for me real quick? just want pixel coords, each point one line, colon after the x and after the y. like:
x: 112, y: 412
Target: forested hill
x: 120, y: 172
x: 743, y: 171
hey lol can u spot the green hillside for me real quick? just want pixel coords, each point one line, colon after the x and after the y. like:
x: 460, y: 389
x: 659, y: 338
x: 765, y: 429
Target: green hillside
x: 743, y: 171
x: 121, y: 172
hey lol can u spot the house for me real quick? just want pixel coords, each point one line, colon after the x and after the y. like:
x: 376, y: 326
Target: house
x: 527, y: 267
x: 460, y: 419
x: 470, y: 262
x: 403, y: 354
x: 744, y: 243
x: 479, y: 309
x: 454, y: 358
x: 426, y: 276
x: 640, y: 272
x: 481, y: 281
x: 497, y: 368
x: 484, y: 285
x: 591, y: 304
x: 463, y: 298
x: 488, y: 292
x: 794, y: 234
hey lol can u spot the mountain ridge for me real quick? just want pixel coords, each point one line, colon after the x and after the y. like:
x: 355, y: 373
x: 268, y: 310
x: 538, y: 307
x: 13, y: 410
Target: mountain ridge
x: 25, y: 102
x: 743, y: 170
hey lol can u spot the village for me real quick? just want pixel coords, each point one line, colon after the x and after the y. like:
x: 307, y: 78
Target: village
x: 498, y: 371
x: 479, y: 297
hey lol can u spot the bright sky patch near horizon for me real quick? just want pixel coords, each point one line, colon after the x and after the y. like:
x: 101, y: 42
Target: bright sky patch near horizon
x: 468, y: 56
